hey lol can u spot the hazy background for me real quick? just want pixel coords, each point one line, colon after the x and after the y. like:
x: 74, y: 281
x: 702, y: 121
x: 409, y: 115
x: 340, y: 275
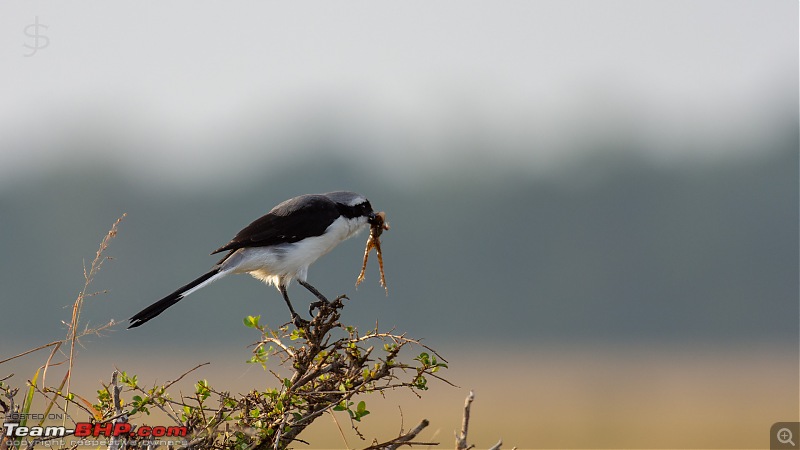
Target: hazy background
x: 594, y: 204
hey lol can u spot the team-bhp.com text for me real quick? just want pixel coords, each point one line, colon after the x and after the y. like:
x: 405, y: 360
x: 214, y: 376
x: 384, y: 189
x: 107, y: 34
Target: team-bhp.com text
x: 87, y: 429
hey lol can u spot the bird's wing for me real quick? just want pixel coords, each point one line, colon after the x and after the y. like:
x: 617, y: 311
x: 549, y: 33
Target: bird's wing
x: 291, y: 221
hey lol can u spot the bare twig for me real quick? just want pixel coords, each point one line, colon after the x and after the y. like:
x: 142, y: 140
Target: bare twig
x: 168, y: 385
x: 405, y: 439
x: 341, y: 432
x: 461, y: 438
x: 280, y: 344
x: 496, y: 446
x: 398, y: 338
x: 31, y: 351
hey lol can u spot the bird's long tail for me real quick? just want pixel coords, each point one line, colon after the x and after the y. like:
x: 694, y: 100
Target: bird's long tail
x: 160, y: 306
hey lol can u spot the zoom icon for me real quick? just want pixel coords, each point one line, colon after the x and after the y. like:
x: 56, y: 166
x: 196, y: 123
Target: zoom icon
x: 783, y: 435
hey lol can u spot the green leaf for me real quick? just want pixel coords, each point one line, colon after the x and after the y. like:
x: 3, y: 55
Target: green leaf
x: 361, y: 411
x: 251, y: 321
x: 424, y: 358
x: 26, y: 403
x: 343, y: 405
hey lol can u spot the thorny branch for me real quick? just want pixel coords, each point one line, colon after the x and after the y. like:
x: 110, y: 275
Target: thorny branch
x: 329, y: 365
x: 327, y: 372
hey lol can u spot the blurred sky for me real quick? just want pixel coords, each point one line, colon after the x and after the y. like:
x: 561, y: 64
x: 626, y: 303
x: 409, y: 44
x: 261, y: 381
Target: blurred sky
x: 185, y: 88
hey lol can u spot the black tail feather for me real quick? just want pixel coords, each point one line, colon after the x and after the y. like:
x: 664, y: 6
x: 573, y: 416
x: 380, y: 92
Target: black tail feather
x: 160, y: 306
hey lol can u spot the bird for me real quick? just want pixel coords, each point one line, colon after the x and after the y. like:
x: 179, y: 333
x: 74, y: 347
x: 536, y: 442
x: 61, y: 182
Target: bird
x: 278, y: 247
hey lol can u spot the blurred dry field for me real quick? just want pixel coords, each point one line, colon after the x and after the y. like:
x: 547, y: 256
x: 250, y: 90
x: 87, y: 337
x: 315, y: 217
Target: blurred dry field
x: 569, y: 397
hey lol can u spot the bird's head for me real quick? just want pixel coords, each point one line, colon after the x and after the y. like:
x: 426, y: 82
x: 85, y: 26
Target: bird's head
x: 353, y: 205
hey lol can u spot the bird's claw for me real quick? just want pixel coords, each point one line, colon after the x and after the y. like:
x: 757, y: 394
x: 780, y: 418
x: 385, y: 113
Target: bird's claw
x: 299, y: 322
x: 326, y: 304
x: 318, y: 305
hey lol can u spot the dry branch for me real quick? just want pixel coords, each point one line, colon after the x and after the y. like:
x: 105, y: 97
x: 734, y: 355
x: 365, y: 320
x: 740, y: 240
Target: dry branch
x: 405, y: 439
x: 461, y: 438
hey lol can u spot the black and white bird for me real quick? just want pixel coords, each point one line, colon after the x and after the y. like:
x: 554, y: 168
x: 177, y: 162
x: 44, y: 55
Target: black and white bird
x: 279, y: 246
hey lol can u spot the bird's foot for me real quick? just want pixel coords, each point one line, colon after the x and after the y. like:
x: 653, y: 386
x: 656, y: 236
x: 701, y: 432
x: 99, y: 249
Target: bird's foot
x: 323, y: 305
x: 320, y: 304
x: 299, y: 322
